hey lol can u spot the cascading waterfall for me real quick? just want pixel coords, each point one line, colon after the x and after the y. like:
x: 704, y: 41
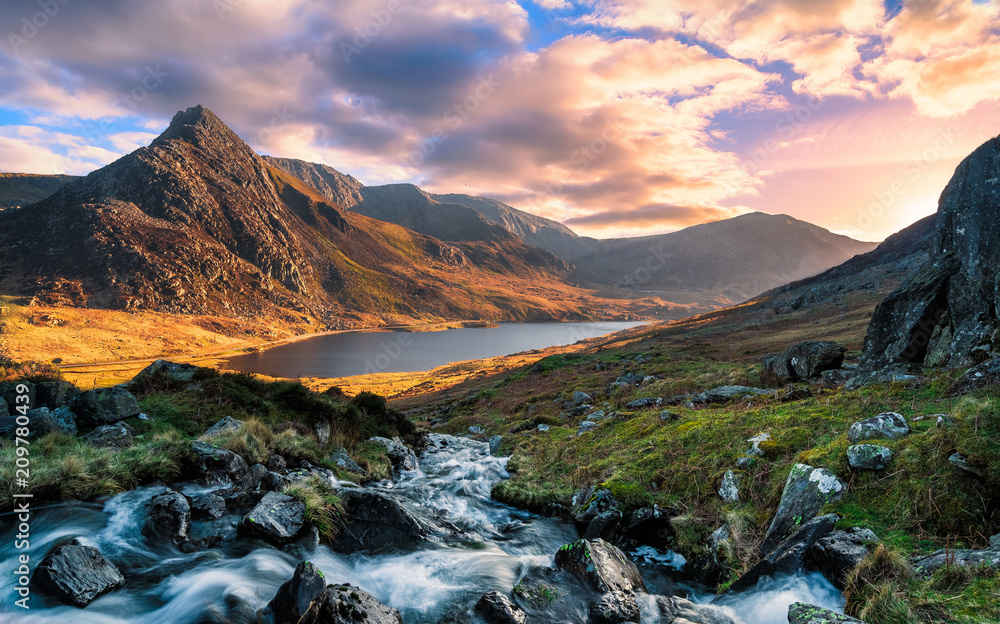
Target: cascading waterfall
x: 430, y: 583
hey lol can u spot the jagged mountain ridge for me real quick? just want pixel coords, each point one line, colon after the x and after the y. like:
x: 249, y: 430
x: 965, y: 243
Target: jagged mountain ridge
x: 713, y: 264
x: 197, y: 222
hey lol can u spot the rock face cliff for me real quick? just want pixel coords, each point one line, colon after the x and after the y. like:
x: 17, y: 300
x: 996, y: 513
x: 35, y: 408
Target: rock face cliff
x: 197, y: 222
x: 945, y: 314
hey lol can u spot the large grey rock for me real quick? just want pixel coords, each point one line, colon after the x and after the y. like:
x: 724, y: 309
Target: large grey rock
x: 401, y: 456
x: 615, y: 608
x: 277, y: 518
x: 840, y: 552
x: 375, y: 522
x: 676, y: 610
x: 602, y: 567
x: 169, y: 518
x: 789, y: 557
x: 346, y: 604
x: 209, y: 506
x: 868, y: 457
x: 172, y: 372
x: 118, y: 435
x: 729, y: 490
x: 804, y: 361
x: 499, y: 609
x: 103, y: 407
x: 927, y: 565
x: 885, y: 426
x: 55, y: 394
x: 806, y: 491
x: 946, y: 314
x: 985, y: 375
x: 296, y: 594
x: 217, y: 466
x: 344, y: 462
x: 579, y: 398
x: 76, y: 575
x: 225, y: 425
x: 802, y: 613
x: 724, y: 394
x: 644, y: 403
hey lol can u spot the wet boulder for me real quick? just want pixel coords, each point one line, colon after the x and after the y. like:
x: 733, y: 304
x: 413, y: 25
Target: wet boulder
x: 806, y: 491
x: 76, y: 574
x: 225, y: 425
x: 169, y: 518
x: 712, y: 567
x: 297, y: 593
x: 676, y: 610
x: 495, y: 442
x: 344, y: 462
x: 789, y: 557
x: 401, y: 456
x: 217, y: 466
x: 588, y: 504
x: 497, y: 608
x: 840, y: 552
x: 346, y: 604
x: 602, y: 567
x: 104, y: 406
x: 868, y: 457
x: 802, y: 613
x: 375, y: 522
x: 209, y: 506
x: 276, y: 519
x: 614, y: 608
x: 804, y: 361
x: 885, y: 426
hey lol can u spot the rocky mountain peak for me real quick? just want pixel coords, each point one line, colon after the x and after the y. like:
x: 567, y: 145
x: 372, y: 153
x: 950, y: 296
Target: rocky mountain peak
x: 946, y: 313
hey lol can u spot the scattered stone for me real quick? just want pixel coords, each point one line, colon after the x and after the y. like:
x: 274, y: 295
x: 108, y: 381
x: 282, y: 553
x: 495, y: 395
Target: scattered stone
x: 980, y: 376
x: 543, y: 427
x: 277, y: 519
x: 76, y: 575
x: 806, y: 491
x: 581, y: 410
x: 804, y: 361
x: 499, y: 609
x: 476, y: 430
x: 648, y: 379
x: 801, y: 613
x: 580, y: 398
x: 344, y: 462
x: 615, y: 387
x: 118, y: 435
x: 729, y: 491
x: 926, y: 566
x: 943, y: 420
x: 225, y: 425
x: 401, y: 456
x: 276, y: 463
x: 347, y: 604
x: 217, y: 466
x: 963, y: 466
x: 585, y: 426
x: 643, y: 403
x: 104, y: 406
x: 169, y: 518
x: 840, y: 552
x: 667, y: 415
x: 755, y: 441
x: 495, y: 442
x: 630, y: 378
x: 868, y: 457
x: 375, y: 522
x: 297, y: 593
x: 724, y: 394
x: 789, y: 556
x: 208, y: 507
x: 885, y: 426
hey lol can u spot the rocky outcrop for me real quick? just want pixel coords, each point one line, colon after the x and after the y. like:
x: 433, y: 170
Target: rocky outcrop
x: 374, y: 522
x: 986, y: 558
x: 840, y: 552
x: 76, y: 575
x: 606, y: 570
x: 946, y: 313
x: 295, y: 595
x: 885, y: 426
x: 225, y: 425
x: 801, y: 613
x: 172, y: 372
x: 401, y: 456
x: 217, y: 466
x: 497, y: 608
x: 806, y: 491
x: 277, y: 519
x: 804, y: 361
x: 169, y: 518
x: 60, y: 420
x: 346, y: 604
x: 103, y: 407
x: 789, y: 556
x: 985, y: 375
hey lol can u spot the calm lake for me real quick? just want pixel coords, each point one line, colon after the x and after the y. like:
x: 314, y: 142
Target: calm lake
x: 344, y: 355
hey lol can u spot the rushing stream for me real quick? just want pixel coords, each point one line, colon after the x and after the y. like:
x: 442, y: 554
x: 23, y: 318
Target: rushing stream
x: 435, y: 583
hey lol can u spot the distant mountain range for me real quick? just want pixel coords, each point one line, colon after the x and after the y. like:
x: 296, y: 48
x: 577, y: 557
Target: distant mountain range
x: 711, y: 265
x: 197, y: 222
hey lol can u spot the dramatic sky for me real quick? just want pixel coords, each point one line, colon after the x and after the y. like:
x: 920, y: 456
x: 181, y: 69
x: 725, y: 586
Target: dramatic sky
x: 616, y: 117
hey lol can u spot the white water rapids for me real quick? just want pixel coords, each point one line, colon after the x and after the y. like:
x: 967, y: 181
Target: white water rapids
x: 435, y: 583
